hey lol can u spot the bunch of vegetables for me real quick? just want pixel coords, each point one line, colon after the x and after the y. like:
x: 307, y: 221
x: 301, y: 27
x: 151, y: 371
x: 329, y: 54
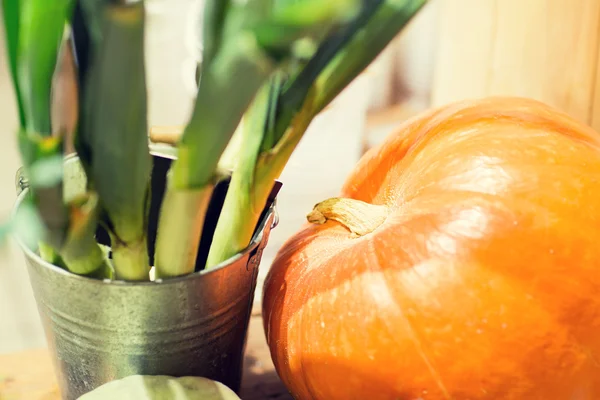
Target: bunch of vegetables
x: 268, y: 68
x: 460, y: 262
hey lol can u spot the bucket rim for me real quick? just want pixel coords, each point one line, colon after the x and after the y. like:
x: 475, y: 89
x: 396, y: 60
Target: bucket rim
x: 255, y: 242
x: 154, y: 150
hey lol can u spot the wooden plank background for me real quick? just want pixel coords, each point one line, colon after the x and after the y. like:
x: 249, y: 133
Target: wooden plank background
x: 544, y: 49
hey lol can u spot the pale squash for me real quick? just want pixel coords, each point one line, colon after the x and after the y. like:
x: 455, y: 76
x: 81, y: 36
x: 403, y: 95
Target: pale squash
x: 161, y: 387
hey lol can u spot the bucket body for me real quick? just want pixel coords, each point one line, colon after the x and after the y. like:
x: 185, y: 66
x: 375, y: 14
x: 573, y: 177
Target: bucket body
x: 195, y: 325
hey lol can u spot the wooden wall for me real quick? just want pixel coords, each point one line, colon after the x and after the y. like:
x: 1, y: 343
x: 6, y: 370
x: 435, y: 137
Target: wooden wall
x: 544, y: 49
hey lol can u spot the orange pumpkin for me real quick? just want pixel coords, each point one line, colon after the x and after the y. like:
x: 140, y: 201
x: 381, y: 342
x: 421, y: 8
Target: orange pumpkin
x: 462, y: 262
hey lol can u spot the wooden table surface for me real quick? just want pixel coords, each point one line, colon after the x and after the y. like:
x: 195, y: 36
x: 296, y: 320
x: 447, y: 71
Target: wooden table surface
x: 29, y: 375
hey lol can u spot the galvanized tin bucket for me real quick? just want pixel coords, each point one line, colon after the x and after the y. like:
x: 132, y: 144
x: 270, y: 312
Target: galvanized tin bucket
x: 195, y: 325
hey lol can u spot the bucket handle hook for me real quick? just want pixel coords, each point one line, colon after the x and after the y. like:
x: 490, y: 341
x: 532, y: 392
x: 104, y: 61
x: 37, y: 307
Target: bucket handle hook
x: 21, y: 181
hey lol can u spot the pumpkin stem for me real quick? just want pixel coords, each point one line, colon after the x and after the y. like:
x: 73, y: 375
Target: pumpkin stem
x: 357, y: 216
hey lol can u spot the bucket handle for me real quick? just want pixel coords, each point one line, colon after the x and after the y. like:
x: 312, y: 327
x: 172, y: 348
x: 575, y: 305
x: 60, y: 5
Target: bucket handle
x: 256, y: 254
x: 275, y: 221
x: 21, y: 181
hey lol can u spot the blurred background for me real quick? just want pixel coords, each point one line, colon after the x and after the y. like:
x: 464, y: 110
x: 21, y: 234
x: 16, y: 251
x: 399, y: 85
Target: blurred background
x: 453, y: 49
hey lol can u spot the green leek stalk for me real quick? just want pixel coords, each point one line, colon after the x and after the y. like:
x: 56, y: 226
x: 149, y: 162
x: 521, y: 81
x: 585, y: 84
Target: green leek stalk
x: 245, y: 44
x: 80, y: 247
x: 34, y: 32
x: 241, y: 210
x: 11, y: 13
x: 112, y: 139
x: 227, y: 84
x: 296, y: 102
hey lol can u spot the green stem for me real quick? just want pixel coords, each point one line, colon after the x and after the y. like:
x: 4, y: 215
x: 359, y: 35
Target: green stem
x: 271, y: 163
x: 131, y: 259
x: 389, y: 19
x: 179, y: 229
x: 258, y: 38
x: 333, y: 67
x: 48, y: 253
x: 11, y: 11
x: 230, y: 157
x: 81, y: 253
x: 262, y: 37
x: 113, y: 127
x: 41, y: 32
x: 237, y: 221
x: 226, y: 89
x: 212, y: 27
x: 296, y: 89
x: 86, y: 257
x: 35, y: 30
x: 240, y: 210
x: 251, y: 181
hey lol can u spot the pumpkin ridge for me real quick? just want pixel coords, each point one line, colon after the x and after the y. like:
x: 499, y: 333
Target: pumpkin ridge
x: 418, y: 343
x: 308, y: 294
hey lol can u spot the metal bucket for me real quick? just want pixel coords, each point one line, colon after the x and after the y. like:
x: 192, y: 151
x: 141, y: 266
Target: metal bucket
x: 195, y: 325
